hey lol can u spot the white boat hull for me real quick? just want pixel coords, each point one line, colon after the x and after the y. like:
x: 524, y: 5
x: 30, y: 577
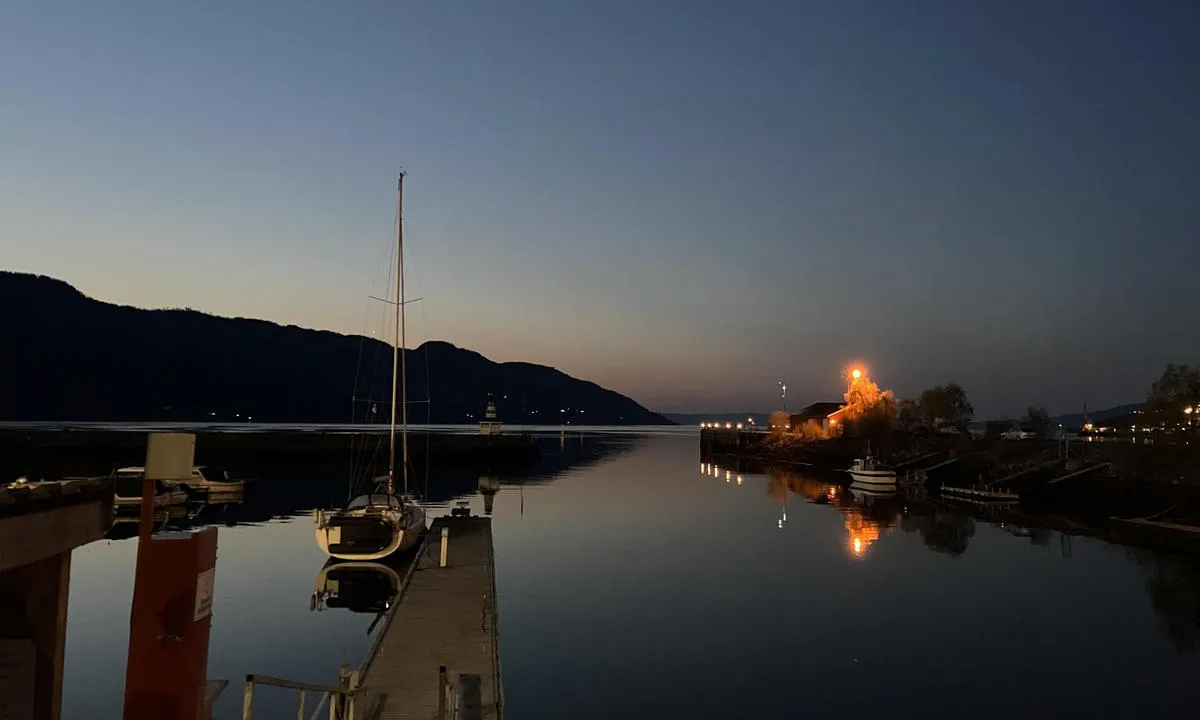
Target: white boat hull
x: 217, y: 487
x: 406, y: 530
x: 873, y: 478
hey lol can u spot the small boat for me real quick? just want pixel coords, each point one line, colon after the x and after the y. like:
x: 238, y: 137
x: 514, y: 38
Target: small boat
x: 867, y: 472
x: 205, y: 480
x: 382, y: 522
x: 127, y: 493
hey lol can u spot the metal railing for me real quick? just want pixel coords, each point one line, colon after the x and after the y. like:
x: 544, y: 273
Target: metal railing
x: 345, y: 701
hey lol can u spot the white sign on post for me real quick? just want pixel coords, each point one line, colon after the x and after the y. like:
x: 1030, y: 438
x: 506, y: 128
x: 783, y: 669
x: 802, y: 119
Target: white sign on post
x: 169, y: 456
x: 204, y: 594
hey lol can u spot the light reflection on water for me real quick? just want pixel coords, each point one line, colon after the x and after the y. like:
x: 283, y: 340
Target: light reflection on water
x: 631, y: 585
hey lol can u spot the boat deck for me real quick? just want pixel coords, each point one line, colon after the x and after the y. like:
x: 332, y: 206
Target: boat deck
x: 444, y: 616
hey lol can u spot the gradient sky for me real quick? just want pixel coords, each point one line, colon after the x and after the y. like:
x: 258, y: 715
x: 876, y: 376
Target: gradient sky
x: 685, y: 201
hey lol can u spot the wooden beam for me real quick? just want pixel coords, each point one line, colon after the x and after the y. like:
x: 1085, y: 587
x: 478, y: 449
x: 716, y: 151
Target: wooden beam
x: 41, y: 534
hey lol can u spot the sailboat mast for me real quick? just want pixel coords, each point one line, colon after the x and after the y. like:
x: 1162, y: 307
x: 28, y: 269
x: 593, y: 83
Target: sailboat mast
x: 403, y: 339
x: 391, y: 475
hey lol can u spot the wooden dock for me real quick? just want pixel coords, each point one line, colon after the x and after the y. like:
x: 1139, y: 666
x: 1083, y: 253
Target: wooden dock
x: 445, y: 617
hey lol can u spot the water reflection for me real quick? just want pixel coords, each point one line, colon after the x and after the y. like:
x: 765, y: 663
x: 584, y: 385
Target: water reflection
x: 489, y: 485
x: 943, y: 530
x: 1173, y: 584
x: 615, y: 535
x: 214, y: 509
x: 359, y: 587
x: 270, y: 577
x: 862, y: 531
x: 1171, y: 576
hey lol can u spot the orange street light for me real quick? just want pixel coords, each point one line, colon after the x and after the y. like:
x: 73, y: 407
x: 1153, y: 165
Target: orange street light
x: 856, y: 374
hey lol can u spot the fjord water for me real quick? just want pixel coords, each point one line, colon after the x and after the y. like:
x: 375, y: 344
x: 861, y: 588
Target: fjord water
x: 635, y: 581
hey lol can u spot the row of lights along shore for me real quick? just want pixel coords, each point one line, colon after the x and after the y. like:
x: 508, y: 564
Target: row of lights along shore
x: 729, y: 425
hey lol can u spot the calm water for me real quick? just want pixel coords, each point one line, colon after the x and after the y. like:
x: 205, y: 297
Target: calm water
x: 634, y: 583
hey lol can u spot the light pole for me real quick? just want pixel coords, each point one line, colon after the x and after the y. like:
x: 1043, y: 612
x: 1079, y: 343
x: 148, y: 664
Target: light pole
x: 783, y: 393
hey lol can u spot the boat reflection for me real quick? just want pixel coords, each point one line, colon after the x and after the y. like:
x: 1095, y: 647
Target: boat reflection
x: 126, y: 526
x: 872, y: 514
x: 867, y: 512
x: 489, y: 485
x: 359, y: 586
x: 217, y: 509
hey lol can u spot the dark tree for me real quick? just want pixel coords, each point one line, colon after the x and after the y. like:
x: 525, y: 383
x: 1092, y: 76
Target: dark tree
x: 945, y: 404
x: 1176, y: 389
x: 908, y: 415
x: 1037, y: 419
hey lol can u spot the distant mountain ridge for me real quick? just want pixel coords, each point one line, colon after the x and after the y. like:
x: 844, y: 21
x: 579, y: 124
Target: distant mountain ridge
x: 1076, y: 419
x: 69, y: 357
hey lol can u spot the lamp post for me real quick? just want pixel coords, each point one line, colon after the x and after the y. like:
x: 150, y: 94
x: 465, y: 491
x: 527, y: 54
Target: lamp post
x: 783, y: 393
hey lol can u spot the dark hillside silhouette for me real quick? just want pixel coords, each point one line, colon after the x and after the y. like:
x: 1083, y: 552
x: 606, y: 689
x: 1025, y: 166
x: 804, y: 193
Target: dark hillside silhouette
x: 64, y: 356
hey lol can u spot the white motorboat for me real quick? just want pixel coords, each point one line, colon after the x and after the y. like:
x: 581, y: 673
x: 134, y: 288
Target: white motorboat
x: 866, y: 472
x: 374, y: 525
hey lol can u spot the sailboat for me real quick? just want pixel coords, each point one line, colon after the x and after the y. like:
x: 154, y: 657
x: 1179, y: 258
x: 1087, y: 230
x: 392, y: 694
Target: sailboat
x: 379, y: 523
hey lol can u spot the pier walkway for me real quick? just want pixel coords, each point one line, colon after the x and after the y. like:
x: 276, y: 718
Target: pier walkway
x: 444, y: 617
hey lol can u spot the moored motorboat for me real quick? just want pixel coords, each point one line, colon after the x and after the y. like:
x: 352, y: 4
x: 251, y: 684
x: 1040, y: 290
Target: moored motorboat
x: 867, y: 472
x: 205, y: 480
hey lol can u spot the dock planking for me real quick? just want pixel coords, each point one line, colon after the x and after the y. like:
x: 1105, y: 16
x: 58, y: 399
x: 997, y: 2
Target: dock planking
x: 444, y: 616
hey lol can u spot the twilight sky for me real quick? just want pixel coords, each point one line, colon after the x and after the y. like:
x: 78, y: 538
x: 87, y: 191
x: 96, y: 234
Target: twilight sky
x: 683, y: 200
